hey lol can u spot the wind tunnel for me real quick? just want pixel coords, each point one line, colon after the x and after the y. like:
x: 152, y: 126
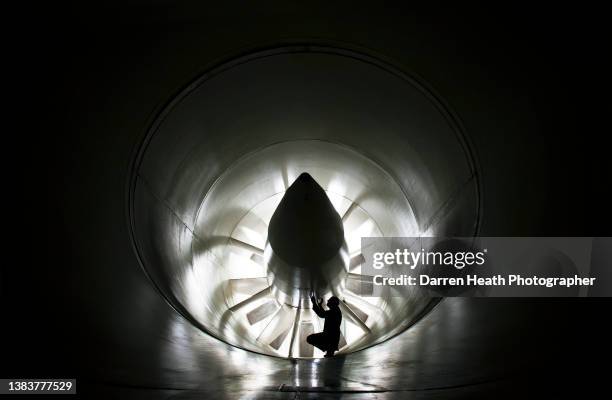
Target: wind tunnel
x: 211, y: 182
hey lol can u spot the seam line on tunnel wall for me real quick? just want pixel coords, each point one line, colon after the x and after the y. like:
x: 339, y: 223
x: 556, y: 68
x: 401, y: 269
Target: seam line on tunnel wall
x: 446, y: 207
x: 165, y: 204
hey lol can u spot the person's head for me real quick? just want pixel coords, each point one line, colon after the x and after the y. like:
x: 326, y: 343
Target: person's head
x: 333, y: 302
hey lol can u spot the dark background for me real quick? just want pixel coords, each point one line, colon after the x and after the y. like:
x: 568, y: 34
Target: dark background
x: 529, y: 84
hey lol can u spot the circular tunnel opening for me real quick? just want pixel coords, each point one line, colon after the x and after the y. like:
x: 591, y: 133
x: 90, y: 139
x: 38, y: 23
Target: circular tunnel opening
x: 217, y: 162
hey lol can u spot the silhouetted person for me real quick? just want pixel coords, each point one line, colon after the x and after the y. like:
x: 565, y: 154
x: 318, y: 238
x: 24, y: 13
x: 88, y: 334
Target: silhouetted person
x: 327, y: 340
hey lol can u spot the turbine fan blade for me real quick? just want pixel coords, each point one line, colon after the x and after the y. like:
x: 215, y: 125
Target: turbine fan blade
x: 298, y: 312
x: 256, y: 258
x: 353, y: 220
x: 356, y: 261
x: 370, y: 309
x: 362, y: 285
x: 275, y: 332
x: 348, y: 211
x: 252, y: 229
x: 246, y: 246
x: 261, y: 294
x: 306, y: 328
x: 262, y: 312
x: 362, y: 315
x: 278, y: 341
x: 354, y: 317
x: 248, y: 286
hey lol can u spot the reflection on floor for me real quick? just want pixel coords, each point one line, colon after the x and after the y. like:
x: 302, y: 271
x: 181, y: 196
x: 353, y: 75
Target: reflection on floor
x: 459, y: 350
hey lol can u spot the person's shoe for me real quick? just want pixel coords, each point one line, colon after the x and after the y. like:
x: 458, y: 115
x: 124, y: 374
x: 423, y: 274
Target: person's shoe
x: 329, y: 354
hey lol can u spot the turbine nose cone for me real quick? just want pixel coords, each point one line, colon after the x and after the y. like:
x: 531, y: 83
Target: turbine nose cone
x: 305, y: 229
x: 306, y: 177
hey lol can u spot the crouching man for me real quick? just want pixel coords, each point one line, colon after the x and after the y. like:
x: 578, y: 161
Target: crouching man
x: 327, y: 340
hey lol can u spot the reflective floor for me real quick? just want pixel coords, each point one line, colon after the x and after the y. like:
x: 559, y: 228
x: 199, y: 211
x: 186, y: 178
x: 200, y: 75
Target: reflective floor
x: 460, y: 348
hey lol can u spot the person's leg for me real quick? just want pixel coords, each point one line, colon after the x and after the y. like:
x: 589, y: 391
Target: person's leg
x: 328, y: 346
x: 318, y: 340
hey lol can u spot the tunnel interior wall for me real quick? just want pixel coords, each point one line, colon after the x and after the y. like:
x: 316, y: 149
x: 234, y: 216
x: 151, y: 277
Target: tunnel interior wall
x: 302, y: 98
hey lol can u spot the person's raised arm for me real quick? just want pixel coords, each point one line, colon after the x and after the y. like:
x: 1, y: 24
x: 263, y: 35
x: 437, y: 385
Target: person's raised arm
x: 316, y: 307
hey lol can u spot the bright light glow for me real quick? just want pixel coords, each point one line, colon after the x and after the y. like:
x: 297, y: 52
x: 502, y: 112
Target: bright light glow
x: 214, y: 268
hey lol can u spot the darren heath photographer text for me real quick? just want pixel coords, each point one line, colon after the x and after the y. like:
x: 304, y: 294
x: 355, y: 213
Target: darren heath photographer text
x: 458, y: 260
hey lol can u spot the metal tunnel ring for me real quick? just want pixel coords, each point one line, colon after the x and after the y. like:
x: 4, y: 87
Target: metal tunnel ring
x: 219, y: 157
